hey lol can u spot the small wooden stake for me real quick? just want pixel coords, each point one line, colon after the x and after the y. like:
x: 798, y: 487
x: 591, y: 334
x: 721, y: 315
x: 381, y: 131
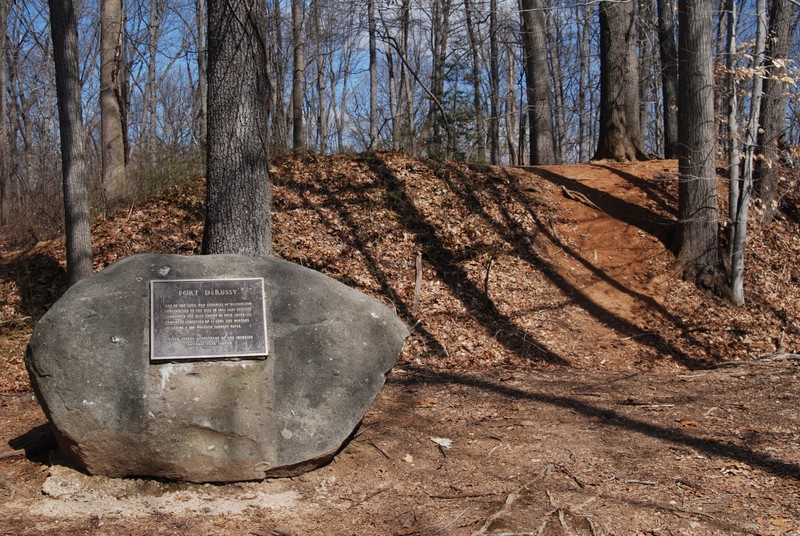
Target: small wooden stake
x: 418, y: 283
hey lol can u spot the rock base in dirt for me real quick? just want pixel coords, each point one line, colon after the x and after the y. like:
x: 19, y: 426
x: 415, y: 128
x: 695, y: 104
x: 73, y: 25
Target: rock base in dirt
x: 117, y: 413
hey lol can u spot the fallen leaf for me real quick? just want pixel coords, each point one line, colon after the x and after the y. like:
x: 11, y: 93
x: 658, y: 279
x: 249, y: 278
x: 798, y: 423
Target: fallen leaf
x: 427, y: 402
x: 687, y: 422
x: 442, y: 442
x: 735, y: 468
x: 783, y: 524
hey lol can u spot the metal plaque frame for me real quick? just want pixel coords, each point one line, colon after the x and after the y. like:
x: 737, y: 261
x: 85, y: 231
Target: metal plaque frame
x: 207, y: 319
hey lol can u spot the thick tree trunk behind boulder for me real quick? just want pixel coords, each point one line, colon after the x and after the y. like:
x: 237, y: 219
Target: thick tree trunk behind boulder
x: 238, y: 196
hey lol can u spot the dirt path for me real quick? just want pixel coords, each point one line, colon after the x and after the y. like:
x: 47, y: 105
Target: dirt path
x: 609, y: 246
x: 612, y: 244
x: 578, y: 452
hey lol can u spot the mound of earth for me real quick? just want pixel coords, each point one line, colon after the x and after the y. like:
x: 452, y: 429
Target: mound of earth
x: 559, y: 379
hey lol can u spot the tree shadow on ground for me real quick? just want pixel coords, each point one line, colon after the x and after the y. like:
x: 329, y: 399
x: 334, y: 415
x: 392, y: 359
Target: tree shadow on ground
x: 354, y: 235
x: 661, y: 227
x: 477, y: 302
x: 608, y: 417
x: 656, y: 190
x: 444, y: 261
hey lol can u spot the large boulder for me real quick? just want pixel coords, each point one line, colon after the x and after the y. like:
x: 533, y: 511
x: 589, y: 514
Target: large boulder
x: 117, y: 412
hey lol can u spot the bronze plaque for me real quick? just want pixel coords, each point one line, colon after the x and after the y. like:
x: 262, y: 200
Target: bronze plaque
x: 207, y: 319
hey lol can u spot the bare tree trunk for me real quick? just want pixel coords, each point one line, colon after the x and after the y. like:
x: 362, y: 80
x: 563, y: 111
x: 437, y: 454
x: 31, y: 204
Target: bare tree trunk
x: 697, y: 239
x: 557, y: 82
x: 297, y: 76
x: 720, y: 102
x: 373, y: 76
x: 322, y: 110
x: 124, y: 92
x: 583, y: 65
x: 114, y: 181
x: 408, y: 142
x: 238, y: 194
x: 523, y: 131
x: 620, y: 138
x: 494, y: 85
x: 5, y: 146
x: 746, y: 186
x: 477, y: 100
x: 642, y: 55
x: 669, y: 75
x: 734, y: 180
x: 149, y: 112
x: 64, y: 26
x: 511, y: 113
x: 340, y: 122
x: 393, y: 105
x: 634, y: 87
x: 201, y: 71
x: 440, y: 22
x: 540, y: 113
x: 279, y: 115
x: 772, y: 134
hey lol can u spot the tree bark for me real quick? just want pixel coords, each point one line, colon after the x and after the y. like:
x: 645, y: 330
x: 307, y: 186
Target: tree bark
x: 340, y: 118
x: 733, y: 123
x: 583, y: 85
x: 298, y: 74
x: 373, y: 76
x: 112, y: 133
x: 279, y: 116
x: 322, y: 108
x: 238, y: 194
x: 494, y: 86
x: 739, y: 215
x: 540, y: 112
x: 736, y: 195
x: 147, y: 131
x: 554, y: 43
x: 697, y: 238
x: 5, y: 145
x: 393, y: 100
x: 511, y: 114
x: 440, y: 21
x: 64, y: 27
x: 477, y: 99
x: 620, y: 137
x: 669, y: 75
x: 772, y: 134
x: 409, y: 134
x: 202, y: 87
x: 633, y: 88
